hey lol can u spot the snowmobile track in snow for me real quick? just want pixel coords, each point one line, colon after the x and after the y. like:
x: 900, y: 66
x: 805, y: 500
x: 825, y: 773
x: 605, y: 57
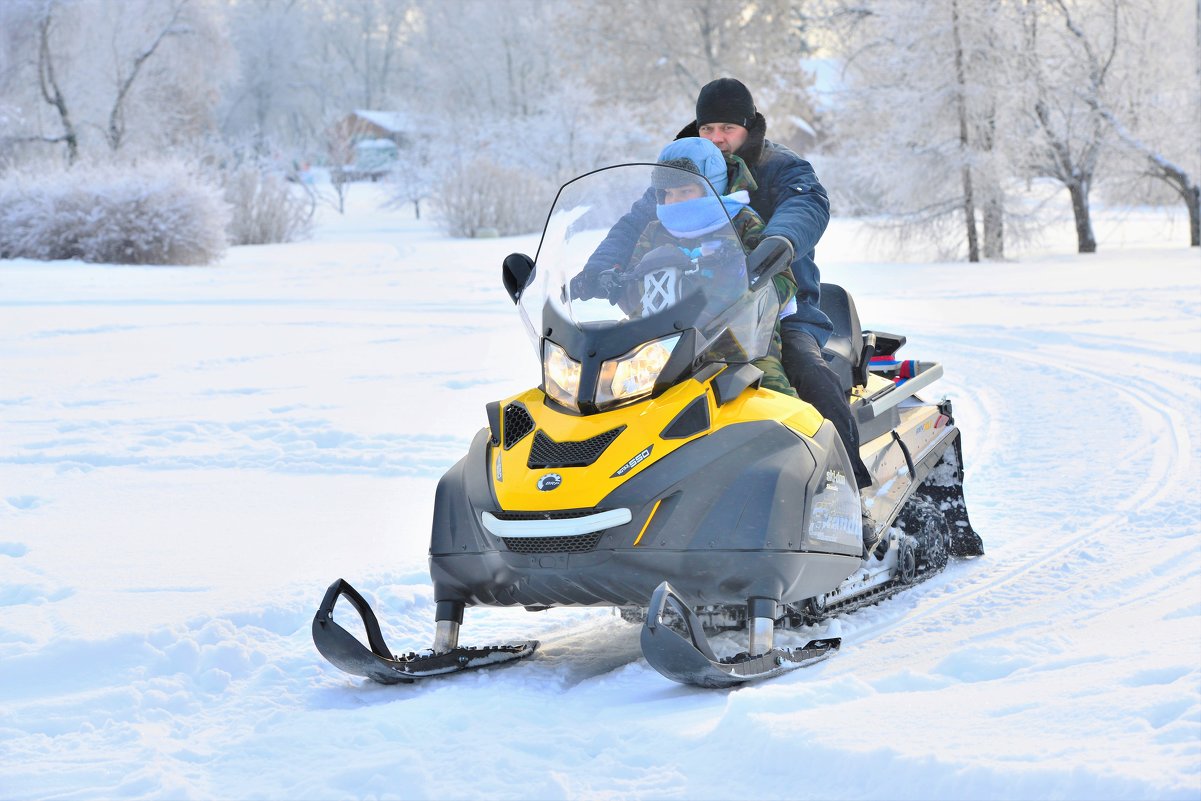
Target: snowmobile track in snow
x: 1172, y: 458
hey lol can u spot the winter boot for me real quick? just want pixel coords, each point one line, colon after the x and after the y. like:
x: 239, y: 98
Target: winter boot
x: 872, y: 535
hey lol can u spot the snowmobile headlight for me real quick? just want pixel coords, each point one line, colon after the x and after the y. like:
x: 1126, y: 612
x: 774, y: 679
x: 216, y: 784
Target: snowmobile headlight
x: 634, y: 374
x: 561, y: 376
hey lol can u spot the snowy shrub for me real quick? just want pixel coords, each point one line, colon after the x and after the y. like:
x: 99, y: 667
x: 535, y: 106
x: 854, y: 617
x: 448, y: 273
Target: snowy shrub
x: 151, y: 213
x: 480, y: 197
x: 265, y: 208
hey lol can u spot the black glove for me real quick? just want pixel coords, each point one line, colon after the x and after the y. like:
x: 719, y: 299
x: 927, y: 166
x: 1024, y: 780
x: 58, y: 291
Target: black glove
x: 584, y: 285
x: 590, y: 284
x: 610, y: 284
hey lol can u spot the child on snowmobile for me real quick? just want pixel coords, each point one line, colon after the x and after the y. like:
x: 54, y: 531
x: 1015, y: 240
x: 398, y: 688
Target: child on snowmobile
x: 684, y: 229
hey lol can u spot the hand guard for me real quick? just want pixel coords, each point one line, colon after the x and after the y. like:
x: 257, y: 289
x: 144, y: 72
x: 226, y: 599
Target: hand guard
x: 773, y: 255
x: 662, y: 258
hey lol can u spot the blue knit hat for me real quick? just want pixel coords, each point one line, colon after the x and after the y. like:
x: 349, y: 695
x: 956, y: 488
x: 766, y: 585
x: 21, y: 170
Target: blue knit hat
x: 702, y: 215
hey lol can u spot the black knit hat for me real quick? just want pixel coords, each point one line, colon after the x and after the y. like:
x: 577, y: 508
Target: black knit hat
x: 725, y: 100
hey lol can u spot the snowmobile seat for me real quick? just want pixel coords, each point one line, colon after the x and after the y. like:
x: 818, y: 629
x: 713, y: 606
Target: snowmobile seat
x: 844, y: 350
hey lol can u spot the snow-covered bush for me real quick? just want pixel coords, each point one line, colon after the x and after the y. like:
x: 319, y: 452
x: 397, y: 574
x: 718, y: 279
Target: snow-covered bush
x: 150, y: 213
x: 480, y: 196
x: 266, y: 208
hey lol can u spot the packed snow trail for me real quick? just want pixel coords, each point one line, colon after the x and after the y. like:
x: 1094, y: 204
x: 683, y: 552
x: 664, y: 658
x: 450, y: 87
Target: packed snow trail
x: 189, y: 457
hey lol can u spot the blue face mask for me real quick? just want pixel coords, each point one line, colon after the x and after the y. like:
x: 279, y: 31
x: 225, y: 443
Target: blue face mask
x: 702, y: 215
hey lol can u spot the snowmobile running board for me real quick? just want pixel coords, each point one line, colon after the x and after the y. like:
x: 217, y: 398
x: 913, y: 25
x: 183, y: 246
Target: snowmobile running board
x: 345, y: 651
x: 690, y: 660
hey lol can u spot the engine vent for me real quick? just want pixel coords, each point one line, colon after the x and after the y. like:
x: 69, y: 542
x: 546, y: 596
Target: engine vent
x: 517, y: 423
x: 548, y: 453
x: 579, y: 543
x: 693, y: 420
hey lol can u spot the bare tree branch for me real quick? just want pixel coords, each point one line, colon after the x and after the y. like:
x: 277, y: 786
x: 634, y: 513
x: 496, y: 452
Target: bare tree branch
x: 116, y: 118
x: 51, y: 90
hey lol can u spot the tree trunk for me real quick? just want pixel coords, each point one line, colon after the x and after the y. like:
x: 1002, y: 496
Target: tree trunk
x: 1194, y: 217
x: 1189, y: 192
x: 969, y: 203
x: 50, y: 89
x: 969, y: 216
x: 994, y: 226
x: 1086, y: 242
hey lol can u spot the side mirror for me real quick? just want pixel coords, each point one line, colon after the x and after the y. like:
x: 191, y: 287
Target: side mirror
x: 517, y: 272
x: 772, y: 256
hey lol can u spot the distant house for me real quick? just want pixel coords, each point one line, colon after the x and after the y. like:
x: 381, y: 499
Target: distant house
x: 365, y: 144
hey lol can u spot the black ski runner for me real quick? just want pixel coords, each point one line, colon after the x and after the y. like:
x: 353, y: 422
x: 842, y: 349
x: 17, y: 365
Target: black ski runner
x: 345, y: 651
x: 690, y: 659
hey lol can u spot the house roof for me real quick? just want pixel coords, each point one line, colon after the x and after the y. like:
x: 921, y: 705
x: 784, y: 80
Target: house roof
x: 390, y: 121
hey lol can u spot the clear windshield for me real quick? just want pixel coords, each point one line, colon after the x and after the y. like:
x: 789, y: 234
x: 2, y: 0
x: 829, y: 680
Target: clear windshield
x: 686, y: 264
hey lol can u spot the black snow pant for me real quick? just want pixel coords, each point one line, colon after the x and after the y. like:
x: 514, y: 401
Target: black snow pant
x: 817, y: 384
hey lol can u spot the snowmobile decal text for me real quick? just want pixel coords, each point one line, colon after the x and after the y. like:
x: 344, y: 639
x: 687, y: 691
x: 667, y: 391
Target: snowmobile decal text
x: 630, y: 465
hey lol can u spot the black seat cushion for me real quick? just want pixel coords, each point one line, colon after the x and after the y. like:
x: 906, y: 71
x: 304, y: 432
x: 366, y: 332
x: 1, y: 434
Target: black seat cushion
x: 845, y: 346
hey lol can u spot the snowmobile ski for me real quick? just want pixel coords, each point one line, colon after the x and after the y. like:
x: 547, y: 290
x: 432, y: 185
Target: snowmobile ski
x: 345, y: 651
x: 690, y: 659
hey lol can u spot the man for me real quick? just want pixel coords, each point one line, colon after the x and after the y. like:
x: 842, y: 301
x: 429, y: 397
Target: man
x: 795, y: 206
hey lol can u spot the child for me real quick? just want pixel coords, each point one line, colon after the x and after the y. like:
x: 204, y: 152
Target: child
x: 685, y: 224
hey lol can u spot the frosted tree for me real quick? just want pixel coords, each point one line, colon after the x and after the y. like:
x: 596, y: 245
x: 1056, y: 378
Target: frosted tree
x: 111, y: 71
x: 517, y: 101
x: 50, y: 84
x: 649, y: 58
x: 922, y: 131
x: 271, y: 99
x: 33, y: 106
x: 1154, y: 110
x: 1065, y: 70
x: 365, y: 40
x: 414, y: 178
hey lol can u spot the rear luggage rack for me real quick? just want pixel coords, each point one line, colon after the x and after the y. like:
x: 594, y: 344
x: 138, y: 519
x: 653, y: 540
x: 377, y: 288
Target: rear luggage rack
x: 923, y: 375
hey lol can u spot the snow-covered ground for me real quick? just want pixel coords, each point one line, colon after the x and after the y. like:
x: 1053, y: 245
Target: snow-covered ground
x: 188, y: 456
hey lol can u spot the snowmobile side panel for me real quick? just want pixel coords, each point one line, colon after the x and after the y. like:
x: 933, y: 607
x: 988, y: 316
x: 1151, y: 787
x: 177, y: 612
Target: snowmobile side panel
x: 903, y: 457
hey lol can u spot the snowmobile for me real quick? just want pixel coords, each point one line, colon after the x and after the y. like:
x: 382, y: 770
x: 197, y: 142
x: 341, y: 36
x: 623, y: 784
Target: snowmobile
x: 650, y: 471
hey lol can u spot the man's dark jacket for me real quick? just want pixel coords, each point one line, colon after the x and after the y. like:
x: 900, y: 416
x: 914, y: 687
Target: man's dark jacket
x: 789, y: 198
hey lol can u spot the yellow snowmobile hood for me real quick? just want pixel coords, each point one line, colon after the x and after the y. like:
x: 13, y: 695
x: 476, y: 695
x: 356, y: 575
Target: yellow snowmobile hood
x: 628, y: 439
